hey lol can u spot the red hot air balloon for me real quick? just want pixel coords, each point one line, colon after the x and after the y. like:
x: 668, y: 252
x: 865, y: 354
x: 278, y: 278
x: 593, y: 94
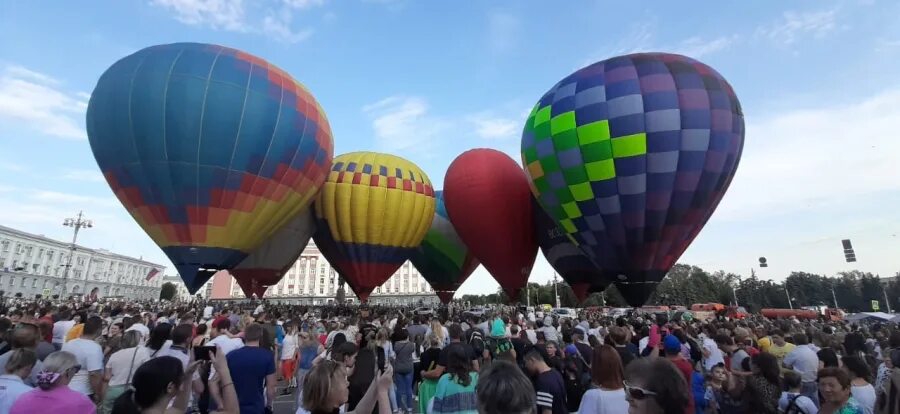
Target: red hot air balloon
x: 489, y: 203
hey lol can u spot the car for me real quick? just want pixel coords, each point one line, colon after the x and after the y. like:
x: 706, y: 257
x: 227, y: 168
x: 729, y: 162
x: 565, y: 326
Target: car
x: 425, y: 311
x: 476, y: 312
x: 564, y: 312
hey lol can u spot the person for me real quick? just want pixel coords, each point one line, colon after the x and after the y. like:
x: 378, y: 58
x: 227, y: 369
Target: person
x: 24, y: 336
x: 779, y: 348
x: 763, y: 388
x: 289, y: 346
x: 53, y: 394
x: 159, y: 339
x: 45, y: 347
x: 256, y: 368
x: 428, y: 364
x: 89, y: 379
x: 793, y: 401
x: 121, y: 366
x: 618, y: 336
x: 222, y: 338
x: 309, y: 349
x: 805, y: 361
x: 889, y: 400
x: 834, y: 385
x: 860, y: 388
x: 403, y: 370
x: 503, y: 389
x: 655, y: 386
x: 607, y: 376
x: 455, y: 392
x: 12, y: 384
x: 827, y: 359
x: 718, y: 395
x: 326, y: 391
x: 672, y: 348
x: 61, y: 327
x: 549, y: 387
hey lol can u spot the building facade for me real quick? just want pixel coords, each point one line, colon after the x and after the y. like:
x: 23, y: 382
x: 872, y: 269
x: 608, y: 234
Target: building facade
x: 312, y: 281
x: 33, y: 264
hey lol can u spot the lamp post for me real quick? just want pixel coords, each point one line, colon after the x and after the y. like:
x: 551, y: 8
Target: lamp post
x: 555, y: 292
x: 791, y: 304
x: 77, y: 223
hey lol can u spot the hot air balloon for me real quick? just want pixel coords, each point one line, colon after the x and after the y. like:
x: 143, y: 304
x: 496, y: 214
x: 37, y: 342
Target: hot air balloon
x: 566, y: 258
x: 210, y: 149
x: 487, y: 198
x: 442, y: 258
x: 372, y: 214
x: 266, y: 265
x: 631, y: 156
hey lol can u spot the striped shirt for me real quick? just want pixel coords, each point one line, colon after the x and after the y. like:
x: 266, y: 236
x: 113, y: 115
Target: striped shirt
x: 551, y: 392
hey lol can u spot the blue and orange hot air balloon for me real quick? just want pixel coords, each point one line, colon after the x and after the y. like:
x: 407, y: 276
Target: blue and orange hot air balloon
x: 443, y: 259
x: 266, y: 265
x: 566, y: 258
x: 631, y: 156
x: 372, y: 214
x: 210, y: 149
x: 489, y: 204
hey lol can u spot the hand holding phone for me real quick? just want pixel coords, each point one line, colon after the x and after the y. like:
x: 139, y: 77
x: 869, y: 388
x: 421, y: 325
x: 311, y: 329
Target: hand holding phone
x: 202, y: 353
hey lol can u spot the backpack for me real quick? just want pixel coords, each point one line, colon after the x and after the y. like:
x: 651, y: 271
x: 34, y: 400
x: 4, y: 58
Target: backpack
x: 792, y: 407
x: 476, y: 341
x: 577, y: 379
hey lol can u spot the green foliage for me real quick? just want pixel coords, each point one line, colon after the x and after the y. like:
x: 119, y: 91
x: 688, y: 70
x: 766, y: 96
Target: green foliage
x: 167, y: 291
x: 686, y: 285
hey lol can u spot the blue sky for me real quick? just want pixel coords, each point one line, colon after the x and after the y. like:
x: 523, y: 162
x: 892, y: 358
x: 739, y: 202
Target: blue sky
x: 428, y: 80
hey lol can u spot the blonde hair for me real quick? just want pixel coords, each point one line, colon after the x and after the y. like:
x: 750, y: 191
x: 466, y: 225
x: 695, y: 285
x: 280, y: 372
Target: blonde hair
x: 437, y: 329
x: 20, y: 358
x: 318, y: 383
x: 432, y: 341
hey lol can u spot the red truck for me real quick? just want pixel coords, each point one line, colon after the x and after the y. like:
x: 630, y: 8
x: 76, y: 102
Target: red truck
x: 810, y: 314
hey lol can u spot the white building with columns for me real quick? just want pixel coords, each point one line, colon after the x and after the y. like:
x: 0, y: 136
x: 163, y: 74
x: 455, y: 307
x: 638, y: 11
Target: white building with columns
x: 33, y: 264
x: 313, y: 281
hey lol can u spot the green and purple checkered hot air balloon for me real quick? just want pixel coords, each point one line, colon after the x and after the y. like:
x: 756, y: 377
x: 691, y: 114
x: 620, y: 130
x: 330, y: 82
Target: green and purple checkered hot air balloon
x: 631, y: 156
x: 442, y: 258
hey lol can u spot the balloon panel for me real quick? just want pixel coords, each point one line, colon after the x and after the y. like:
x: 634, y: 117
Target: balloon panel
x: 630, y: 156
x: 373, y: 211
x: 442, y: 258
x: 564, y: 256
x: 209, y: 148
x: 267, y: 264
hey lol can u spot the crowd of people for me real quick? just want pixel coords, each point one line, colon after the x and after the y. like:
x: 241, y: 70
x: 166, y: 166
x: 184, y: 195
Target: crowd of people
x: 116, y: 357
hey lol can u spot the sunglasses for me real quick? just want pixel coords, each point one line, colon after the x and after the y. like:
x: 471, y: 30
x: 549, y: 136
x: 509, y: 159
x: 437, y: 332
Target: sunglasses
x: 637, y: 393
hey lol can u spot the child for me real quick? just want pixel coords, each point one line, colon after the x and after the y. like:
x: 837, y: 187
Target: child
x: 719, y: 399
x: 791, y: 401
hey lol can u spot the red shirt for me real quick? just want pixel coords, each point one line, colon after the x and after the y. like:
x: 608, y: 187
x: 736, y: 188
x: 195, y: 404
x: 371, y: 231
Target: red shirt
x: 688, y: 372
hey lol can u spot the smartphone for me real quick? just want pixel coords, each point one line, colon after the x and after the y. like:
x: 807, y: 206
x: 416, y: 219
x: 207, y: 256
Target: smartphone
x: 201, y: 353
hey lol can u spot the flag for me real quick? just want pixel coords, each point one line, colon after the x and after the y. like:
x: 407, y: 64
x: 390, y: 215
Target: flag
x: 152, y: 273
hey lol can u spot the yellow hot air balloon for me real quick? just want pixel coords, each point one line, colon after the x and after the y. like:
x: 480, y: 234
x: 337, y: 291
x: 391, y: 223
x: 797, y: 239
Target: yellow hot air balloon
x: 373, y: 211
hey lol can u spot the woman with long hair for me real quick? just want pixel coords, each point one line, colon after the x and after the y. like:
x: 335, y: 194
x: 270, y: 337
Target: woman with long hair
x: 455, y: 392
x: 121, y: 366
x: 428, y: 362
x: 607, y: 377
x: 326, y: 391
x: 52, y: 394
x: 159, y: 338
x: 440, y: 331
x: 763, y: 388
x: 655, y: 386
x: 860, y: 387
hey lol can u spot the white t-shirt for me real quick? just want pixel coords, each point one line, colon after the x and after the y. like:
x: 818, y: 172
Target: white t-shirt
x: 598, y: 401
x: 225, y: 343
x: 715, y: 354
x: 288, y: 347
x: 120, y: 363
x: 60, y: 330
x: 207, y: 312
x: 804, y: 403
x: 865, y: 396
x: 90, y: 356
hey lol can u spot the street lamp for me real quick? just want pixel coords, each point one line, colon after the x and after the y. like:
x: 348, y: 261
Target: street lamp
x: 76, y: 223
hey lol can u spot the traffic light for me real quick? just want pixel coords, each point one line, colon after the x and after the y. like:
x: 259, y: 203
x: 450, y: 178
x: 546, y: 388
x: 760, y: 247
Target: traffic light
x: 849, y: 254
x: 762, y: 262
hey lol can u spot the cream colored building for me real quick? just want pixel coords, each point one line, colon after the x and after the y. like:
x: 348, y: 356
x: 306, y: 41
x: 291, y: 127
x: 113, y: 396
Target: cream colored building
x: 33, y: 264
x: 313, y: 281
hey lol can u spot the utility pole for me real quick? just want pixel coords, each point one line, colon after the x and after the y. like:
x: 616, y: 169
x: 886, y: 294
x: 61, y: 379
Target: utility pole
x: 555, y: 292
x: 77, y: 223
x: 887, y: 302
x: 833, y: 296
x: 734, y: 292
x: 527, y: 295
x: 789, y: 298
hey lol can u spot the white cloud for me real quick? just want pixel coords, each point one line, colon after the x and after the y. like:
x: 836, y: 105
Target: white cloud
x: 38, y: 102
x: 504, y: 30
x: 493, y: 127
x: 403, y: 122
x: 272, y: 18
x: 697, y: 47
x: 816, y: 159
x: 94, y: 176
x: 794, y: 25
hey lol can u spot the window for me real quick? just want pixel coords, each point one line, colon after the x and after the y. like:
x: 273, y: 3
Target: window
x: 46, y: 270
x: 5, y: 245
x: 40, y: 253
x: 34, y: 283
x: 35, y: 267
x: 24, y: 280
x: 321, y: 290
x: 49, y: 254
x: 12, y: 281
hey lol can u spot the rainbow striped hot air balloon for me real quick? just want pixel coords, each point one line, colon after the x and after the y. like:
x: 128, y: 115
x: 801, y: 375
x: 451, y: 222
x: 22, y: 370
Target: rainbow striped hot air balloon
x: 372, y: 213
x: 209, y: 148
x: 442, y: 258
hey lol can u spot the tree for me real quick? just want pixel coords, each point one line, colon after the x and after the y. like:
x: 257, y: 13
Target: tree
x: 167, y: 291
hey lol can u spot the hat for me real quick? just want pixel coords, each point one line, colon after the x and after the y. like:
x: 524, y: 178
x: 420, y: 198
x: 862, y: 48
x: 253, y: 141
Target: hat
x: 571, y: 349
x: 671, y: 343
x: 580, y: 330
x: 143, y: 329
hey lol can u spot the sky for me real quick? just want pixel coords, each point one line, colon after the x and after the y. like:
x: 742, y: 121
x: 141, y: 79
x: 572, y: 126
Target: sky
x: 428, y: 80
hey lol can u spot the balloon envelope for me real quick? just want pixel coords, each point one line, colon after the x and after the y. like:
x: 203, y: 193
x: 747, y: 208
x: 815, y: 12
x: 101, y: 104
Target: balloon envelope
x: 443, y: 259
x: 487, y: 198
x: 566, y: 258
x: 372, y: 213
x: 210, y: 149
x: 631, y: 156
x: 266, y: 265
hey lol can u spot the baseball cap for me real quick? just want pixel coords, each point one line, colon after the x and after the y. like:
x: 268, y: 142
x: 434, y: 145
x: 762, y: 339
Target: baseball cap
x: 671, y: 343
